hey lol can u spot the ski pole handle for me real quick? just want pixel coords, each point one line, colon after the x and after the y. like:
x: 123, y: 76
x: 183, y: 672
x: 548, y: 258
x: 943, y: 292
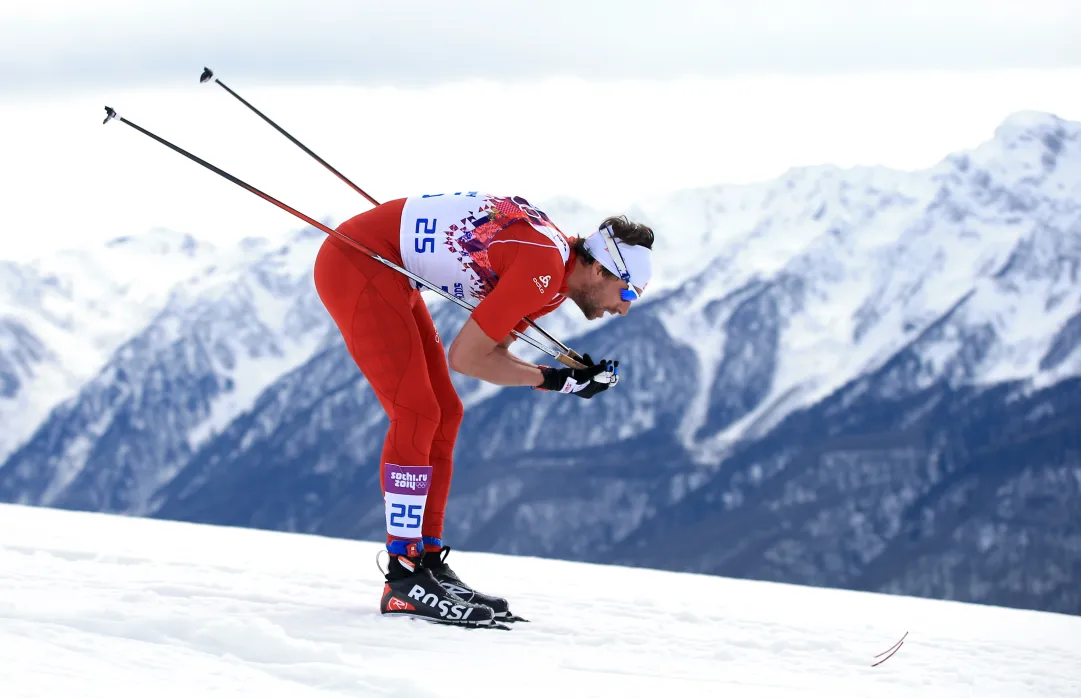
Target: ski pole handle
x: 569, y: 362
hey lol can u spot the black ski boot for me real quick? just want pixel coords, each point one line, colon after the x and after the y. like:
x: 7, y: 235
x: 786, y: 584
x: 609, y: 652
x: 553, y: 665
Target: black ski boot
x: 437, y: 563
x: 412, y: 591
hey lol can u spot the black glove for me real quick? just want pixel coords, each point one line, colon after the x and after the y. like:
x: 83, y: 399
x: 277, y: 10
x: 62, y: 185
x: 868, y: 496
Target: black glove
x: 582, y: 382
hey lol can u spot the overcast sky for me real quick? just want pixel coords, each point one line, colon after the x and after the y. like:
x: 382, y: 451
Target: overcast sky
x: 75, y: 43
x: 603, y: 100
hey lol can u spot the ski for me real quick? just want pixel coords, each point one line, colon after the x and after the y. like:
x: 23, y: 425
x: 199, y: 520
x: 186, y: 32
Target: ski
x: 494, y: 625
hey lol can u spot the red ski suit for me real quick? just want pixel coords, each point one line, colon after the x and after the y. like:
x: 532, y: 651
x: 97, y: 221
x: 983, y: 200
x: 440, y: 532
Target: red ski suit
x: 389, y: 332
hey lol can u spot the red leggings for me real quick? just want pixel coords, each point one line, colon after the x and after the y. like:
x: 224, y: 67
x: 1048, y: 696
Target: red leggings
x: 391, y: 337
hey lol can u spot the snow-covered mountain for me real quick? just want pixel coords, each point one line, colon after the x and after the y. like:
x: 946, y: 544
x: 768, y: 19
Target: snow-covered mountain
x: 860, y: 378
x: 63, y: 316
x: 221, y: 338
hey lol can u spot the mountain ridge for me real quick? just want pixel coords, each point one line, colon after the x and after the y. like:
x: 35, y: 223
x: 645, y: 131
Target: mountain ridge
x: 860, y: 299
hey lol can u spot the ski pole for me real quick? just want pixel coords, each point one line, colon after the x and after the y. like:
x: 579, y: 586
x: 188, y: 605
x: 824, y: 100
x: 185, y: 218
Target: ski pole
x: 110, y: 114
x: 208, y: 74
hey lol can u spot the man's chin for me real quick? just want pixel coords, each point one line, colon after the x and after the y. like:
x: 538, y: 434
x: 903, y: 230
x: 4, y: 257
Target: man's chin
x: 591, y: 313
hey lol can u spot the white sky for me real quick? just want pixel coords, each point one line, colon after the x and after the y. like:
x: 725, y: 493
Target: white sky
x: 123, y: 42
x: 603, y: 101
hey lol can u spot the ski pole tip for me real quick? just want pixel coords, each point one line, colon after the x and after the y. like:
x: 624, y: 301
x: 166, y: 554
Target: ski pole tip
x: 207, y: 74
x: 110, y: 114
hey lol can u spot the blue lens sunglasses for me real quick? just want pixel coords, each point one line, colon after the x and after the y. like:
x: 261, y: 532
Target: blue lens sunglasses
x: 630, y: 293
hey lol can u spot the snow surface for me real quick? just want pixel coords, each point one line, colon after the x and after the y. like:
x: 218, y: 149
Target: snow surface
x: 93, y: 605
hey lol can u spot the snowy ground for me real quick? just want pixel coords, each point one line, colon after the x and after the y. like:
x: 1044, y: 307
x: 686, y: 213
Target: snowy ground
x: 94, y: 605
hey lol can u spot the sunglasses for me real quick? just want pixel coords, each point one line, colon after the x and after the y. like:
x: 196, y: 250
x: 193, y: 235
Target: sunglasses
x: 630, y: 293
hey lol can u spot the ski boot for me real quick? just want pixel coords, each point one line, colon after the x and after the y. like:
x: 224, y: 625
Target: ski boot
x: 436, y: 562
x: 413, y: 592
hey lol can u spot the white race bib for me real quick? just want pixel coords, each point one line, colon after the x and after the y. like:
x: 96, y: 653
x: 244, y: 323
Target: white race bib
x: 444, y: 238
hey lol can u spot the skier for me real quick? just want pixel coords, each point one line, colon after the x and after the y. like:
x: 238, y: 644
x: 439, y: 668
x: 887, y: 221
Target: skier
x: 511, y: 262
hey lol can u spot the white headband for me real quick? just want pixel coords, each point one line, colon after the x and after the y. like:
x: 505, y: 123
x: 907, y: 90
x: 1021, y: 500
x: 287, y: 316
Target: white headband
x: 636, y: 258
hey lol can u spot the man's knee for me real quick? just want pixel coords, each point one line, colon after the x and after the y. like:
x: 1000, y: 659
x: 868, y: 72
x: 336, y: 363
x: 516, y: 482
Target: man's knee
x: 452, y: 411
x: 422, y: 406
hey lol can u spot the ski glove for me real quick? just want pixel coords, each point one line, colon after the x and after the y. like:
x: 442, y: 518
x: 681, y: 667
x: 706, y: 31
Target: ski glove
x: 581, y: 382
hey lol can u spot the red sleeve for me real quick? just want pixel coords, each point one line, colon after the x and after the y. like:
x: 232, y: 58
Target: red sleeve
x: 530, y: 271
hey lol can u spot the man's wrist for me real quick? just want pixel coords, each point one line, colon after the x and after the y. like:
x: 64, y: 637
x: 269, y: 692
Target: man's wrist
x: 543, y: 377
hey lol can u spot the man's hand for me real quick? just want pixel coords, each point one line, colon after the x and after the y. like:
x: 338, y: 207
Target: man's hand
x: 581, y: 382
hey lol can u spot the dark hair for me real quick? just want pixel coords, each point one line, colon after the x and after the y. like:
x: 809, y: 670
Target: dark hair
x: 624, y: 230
